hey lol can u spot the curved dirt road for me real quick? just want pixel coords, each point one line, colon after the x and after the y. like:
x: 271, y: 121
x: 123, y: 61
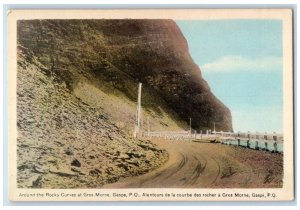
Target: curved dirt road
x: 208, y: 165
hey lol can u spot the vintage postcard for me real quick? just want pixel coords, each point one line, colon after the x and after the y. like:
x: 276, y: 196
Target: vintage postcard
x: 151, y: 105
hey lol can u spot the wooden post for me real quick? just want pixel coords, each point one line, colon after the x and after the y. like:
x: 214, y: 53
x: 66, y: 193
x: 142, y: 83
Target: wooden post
x: 248, y: 143
x: 141, y: 122
x: 266, y: 136
x: 256, y: 145
x: 274, y: 136
x: 214, y: 128
x: 275, y: 147
x: 266, y: 145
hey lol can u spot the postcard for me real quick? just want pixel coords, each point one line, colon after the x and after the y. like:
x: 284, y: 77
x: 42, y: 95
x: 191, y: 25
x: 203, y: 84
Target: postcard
x: 151, y: 105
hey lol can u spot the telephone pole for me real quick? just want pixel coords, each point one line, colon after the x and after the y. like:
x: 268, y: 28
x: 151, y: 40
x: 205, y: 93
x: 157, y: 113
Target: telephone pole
x: 214, y: 128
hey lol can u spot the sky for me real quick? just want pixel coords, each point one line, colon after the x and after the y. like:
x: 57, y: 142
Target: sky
x: 242, y: 62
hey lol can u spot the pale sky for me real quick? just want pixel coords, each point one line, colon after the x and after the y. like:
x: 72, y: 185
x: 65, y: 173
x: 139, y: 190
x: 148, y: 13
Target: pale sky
x: 242, y: 62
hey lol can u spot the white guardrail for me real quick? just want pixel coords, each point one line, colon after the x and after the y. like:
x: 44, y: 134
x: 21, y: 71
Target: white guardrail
x: 264, y: 141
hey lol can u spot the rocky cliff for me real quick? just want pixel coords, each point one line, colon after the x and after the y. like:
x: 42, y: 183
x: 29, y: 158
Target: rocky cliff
x: 116, y: 54
x: 64, y: 142
x: 76, y: 98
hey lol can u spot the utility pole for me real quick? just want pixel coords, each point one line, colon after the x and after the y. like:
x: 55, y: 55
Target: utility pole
x: 138, y: 117
x: 214, y: 128
x: 142, y: 122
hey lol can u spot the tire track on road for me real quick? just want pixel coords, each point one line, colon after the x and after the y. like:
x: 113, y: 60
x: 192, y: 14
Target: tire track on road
x: 195, y: 165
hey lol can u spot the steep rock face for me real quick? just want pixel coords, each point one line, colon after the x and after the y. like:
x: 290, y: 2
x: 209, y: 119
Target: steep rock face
x: 66, y: 143
x: 120, y: 53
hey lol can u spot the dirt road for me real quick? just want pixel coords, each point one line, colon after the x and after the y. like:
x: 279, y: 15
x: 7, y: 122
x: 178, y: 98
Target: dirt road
x: 208, y: 165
